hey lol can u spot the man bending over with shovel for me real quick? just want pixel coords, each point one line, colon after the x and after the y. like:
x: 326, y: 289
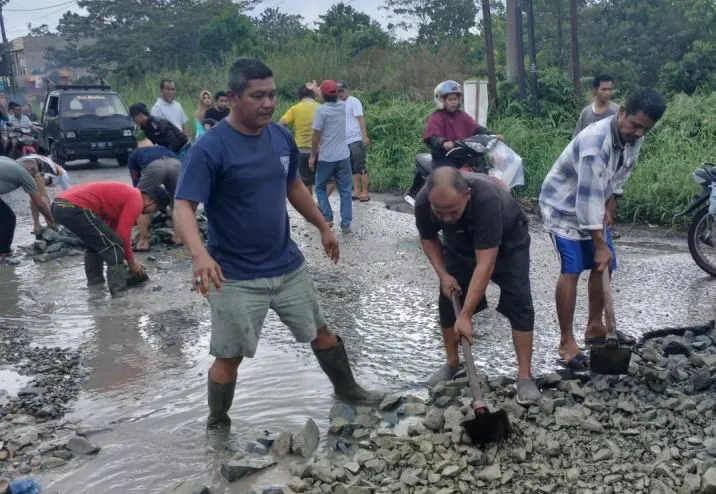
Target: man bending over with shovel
x: 484, y: 237
x: 579, y: 202
x: 243, y: 171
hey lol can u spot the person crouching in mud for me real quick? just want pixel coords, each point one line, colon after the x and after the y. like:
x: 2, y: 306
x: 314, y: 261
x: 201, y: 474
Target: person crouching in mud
x: 449, y: 123
x: 485, y: 238
x: 102, y: 215
x: 243, y: 171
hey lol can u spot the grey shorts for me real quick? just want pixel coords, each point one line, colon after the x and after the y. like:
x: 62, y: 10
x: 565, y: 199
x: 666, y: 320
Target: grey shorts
x: 164, y: 171
x: 239, y: 310
x: 358, y: 158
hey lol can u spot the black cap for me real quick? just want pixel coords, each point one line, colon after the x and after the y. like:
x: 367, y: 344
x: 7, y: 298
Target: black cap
x: 342, y: 85
x: 159, y: 195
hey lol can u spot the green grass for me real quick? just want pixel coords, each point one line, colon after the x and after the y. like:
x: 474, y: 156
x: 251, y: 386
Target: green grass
x: 660, y: 185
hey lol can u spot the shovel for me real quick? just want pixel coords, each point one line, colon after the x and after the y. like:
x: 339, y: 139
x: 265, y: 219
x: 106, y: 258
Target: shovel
x: 486, y: 427
x: 610, y: 358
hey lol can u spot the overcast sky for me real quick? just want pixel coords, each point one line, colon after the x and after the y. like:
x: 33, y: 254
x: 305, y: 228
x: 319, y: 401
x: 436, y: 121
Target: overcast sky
x: 18, y: 13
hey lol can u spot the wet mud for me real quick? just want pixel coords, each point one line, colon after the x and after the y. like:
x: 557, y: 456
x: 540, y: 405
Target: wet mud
x: 146, y: 354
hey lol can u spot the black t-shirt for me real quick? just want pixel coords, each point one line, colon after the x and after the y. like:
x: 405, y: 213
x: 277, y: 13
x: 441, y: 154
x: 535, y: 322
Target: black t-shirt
x: 217, y: 115
x: 491, y: 219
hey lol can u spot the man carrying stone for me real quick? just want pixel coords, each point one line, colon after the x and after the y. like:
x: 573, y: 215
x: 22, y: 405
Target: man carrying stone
x: 150, y: 165
x: 13, y: 175
x: 357, y: 140
x: 484, y: 237
x: 168, y: 108
x: 243, y: 171
x: 102, y: 215
x: 579, y: 203
x: 46, y: 173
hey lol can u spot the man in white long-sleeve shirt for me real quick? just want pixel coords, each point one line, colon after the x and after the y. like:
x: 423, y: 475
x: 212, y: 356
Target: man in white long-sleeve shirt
x: 578, y: 202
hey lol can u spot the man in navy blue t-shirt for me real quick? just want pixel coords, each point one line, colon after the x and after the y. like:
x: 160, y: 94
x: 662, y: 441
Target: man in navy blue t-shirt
x: 243, y: 171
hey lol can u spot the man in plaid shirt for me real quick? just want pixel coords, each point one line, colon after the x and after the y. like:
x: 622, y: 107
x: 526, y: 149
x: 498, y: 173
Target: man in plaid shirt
x: 578, y: 202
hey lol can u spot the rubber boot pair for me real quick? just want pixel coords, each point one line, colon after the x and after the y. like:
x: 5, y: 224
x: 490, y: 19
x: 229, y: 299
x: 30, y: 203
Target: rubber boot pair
x: 334, y: 362
x: 218, y: 425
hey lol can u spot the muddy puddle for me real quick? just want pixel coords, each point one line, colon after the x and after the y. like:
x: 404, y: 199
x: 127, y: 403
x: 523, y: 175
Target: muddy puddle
x: 147, y: 353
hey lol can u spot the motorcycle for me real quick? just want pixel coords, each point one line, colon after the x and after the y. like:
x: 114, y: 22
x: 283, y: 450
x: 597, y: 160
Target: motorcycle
x: 26, y: 138
x: 480, y: 153
x: 702, y: 232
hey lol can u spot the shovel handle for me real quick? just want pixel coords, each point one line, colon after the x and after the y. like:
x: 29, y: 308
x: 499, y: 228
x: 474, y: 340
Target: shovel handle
x: 611, y: 337
x: 467, y: 355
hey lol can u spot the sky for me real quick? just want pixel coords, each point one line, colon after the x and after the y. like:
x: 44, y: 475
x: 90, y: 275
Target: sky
x: 18, y: 13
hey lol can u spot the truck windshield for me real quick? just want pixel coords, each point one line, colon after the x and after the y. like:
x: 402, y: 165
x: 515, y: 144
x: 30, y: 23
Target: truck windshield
x: 99, y: 105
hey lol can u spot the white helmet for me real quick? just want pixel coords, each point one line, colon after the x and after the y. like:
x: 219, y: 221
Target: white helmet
x: 444, y: 89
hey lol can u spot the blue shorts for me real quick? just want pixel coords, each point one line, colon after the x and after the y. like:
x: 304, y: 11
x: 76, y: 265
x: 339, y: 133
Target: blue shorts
x: 577, y: 256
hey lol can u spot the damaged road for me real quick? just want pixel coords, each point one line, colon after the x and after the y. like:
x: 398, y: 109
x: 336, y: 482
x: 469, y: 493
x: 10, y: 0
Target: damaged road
x: 146, y: 356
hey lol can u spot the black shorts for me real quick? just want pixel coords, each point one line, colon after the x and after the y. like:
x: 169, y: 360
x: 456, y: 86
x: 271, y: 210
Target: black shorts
x: 358, y: 158
x: 512, y: 275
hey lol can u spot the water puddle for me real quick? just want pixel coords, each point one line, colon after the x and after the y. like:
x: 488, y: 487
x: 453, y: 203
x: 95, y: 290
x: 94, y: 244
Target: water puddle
x: 12, y: 382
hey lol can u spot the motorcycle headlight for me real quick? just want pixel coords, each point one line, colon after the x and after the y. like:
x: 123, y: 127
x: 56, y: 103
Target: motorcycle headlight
x: 70, y: 135
x: 128, y: 133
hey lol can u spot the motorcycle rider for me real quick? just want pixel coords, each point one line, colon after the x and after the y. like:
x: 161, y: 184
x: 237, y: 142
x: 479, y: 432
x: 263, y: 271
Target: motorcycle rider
x: 448, y: 123
x: 17, y: 120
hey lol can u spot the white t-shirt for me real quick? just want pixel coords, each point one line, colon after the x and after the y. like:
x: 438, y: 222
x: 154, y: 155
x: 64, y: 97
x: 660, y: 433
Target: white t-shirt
x: 171, y: 111
x: 354, y: 109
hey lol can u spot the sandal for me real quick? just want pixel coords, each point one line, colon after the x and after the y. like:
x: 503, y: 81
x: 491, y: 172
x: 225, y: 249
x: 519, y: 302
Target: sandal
x: 579, y: 362
x: 365, y: 199
x: 624, y: 339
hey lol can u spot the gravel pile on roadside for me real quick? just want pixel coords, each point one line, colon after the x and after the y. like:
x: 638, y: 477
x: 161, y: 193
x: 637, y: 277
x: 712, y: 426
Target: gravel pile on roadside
x: 30, y: 436
x: 652, y: 431
x: 50, y: 245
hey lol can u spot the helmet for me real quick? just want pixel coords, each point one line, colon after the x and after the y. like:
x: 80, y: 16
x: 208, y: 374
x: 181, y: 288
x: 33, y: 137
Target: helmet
x: 445, y: 88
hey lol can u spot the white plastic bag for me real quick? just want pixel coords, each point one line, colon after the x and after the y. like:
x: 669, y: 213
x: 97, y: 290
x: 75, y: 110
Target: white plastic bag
x: 507, y: 163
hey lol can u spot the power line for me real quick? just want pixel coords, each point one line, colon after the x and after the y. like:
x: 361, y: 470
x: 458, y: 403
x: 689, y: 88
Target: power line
x: 41, y: 8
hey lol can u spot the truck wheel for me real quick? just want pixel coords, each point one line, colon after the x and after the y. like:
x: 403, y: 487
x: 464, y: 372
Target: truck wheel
x: 54, y: 156
x: 123, y: 159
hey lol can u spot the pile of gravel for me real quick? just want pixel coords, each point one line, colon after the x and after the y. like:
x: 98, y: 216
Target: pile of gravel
x: 50, y: 245
x: 161, y: 231
x: 651, y: 431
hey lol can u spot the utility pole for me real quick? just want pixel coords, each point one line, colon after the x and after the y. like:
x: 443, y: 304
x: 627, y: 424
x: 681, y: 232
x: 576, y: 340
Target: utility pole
x: 520, y: 50
x: 533, y: 54
x: 574, y: 21
x: 511, y: 72
x: 489, y: 56
x: 560, y: 35
x: 7, y: 58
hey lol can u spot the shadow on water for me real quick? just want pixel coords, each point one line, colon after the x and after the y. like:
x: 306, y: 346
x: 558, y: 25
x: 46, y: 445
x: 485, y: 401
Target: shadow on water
x: 147, y: 352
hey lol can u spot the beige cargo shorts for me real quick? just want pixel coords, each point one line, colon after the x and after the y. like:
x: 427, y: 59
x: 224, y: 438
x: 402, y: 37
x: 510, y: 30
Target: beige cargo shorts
x: 239, y: 310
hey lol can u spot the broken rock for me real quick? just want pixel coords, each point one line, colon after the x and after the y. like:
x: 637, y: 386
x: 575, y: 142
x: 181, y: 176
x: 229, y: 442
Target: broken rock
x: 243, y: 467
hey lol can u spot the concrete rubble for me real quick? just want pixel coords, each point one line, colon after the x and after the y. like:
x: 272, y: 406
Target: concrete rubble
x: 652, y: 431
x: 50, y: 245
x: 161, y: 231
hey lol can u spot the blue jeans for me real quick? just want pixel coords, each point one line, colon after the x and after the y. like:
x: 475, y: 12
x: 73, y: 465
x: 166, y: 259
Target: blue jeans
x: 344, y: 183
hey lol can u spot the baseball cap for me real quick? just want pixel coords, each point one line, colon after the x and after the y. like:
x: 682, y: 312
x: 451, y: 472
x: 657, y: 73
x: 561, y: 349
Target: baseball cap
x: 328, y: 88
x: 160, y: 195
x: 342, y: 85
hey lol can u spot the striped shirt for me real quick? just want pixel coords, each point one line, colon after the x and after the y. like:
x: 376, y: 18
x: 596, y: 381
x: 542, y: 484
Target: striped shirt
x: 592, y: 168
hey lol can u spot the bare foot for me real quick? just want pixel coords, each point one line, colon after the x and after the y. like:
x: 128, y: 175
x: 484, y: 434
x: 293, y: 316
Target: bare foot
x: 143, y: 246
x: 177, y: 240
x: 569, y: 350
x: 595, y: 331
x: 36, y: 228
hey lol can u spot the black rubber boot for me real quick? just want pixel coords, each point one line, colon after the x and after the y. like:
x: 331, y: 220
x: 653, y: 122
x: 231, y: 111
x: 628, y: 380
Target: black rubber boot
x: 334, y: 362
x: 218, y: 425
x: 94, y: 268
x: 116, y: 279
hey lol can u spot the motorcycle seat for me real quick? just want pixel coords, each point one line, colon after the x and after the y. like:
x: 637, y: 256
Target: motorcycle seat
x: 707, y: 174
x: 425, y: 162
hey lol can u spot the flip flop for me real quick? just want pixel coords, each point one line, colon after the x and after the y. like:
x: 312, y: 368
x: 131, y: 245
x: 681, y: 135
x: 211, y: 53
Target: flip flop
x: 579, y: 362
x: 355, y: 198
x: 624, y: 339
x: 148, y: 249
x: 365, y: 199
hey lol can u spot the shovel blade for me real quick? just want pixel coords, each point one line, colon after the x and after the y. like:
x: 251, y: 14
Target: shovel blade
x: 488, y: 427
x: 613, y: 361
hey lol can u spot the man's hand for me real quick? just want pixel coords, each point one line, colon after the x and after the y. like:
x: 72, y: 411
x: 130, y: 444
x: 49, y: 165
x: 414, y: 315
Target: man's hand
x: 136, y: 268
x: 449, y: 285
x: 312, y: 162
x: 602, y: 258
x: 366, y: 142
x: 206, y: 269
x: 330, y: 245
x: 500, y: 137
x: 463, y: 327
x: 448, y: 145
x: 610, y: 211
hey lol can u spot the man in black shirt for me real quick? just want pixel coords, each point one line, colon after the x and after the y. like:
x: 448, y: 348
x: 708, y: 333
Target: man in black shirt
x: 159, y: 130
x: 220, y: 109
x: 484, y: 237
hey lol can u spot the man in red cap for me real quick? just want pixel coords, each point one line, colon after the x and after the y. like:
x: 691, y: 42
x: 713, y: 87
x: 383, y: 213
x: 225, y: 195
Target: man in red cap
x: 329, y: 142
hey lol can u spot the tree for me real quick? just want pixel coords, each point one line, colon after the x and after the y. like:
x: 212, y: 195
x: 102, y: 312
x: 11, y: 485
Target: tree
x: 279, y: 28
x: 229, y: 33
x: 434, y: 20
x: 347, y: 26
x: 41, y: 30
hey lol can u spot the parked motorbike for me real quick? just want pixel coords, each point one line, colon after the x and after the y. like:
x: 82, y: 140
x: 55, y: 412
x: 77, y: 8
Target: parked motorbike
x: 477, y: 154
x: 702, y: 232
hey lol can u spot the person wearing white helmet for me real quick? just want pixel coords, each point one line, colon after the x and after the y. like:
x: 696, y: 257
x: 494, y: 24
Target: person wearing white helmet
x: 449, y: 123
